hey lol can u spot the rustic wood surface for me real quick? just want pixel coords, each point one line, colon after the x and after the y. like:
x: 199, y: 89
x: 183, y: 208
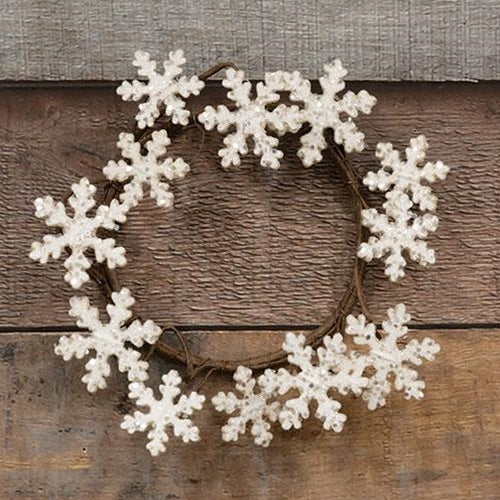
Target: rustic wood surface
x: 429, y: 40
x: 244, y: 254
x: 59, y: 442
x: 251, y: 246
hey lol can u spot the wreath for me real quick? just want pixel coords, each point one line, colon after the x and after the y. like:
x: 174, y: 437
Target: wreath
x: 347, y: 354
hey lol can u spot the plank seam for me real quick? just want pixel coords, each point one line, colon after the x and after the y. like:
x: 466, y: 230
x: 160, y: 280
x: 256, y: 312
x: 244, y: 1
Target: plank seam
x: 256, y: 328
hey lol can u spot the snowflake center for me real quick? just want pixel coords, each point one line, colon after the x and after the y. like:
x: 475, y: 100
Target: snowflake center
x: 108, y: 339
x: 253, y: 119
x: 254, y: 405
x: 80, y: 230
x: 314, y: 378
x: 318, y: 114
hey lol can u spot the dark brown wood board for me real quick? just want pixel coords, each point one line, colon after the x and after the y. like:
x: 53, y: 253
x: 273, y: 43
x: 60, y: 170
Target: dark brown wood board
x: 251, y: 246
x: 243, y: 254
x: 60, y: 442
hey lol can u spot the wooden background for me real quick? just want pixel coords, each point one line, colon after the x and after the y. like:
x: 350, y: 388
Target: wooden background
x: 249, y: 254
x: 431, y: 40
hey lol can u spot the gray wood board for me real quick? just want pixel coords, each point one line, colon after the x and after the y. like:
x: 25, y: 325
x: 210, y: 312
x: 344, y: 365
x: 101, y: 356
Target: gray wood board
x: 428, y: 40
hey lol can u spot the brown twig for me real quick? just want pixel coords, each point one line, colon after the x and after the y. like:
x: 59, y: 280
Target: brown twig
x: 215, y: 69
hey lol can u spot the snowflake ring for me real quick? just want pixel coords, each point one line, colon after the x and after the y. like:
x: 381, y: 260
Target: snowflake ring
x: 285, y: 394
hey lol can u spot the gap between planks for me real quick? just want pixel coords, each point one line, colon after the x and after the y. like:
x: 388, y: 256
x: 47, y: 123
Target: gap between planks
x: 215, y: 82
x: 58, y: 329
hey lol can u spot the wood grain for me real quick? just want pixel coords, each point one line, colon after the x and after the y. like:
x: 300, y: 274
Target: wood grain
x: 60, y: 442
x: 430, y: 40
x: 251, y: 246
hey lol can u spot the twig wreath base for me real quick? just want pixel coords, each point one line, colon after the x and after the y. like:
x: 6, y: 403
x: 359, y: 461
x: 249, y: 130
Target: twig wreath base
x: 109, y: 281
x: 321, y: 363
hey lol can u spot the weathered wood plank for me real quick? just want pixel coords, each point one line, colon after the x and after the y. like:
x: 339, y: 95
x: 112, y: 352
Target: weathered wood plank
x: 59, y: 442
x: 251, y: 246
x: 383, y: 40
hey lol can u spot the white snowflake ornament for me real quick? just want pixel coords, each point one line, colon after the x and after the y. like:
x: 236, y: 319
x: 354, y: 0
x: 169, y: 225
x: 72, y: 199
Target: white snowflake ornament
x: 397, y: 231
x: 387, y: 359
x: 407, y: 176
x: 108, y: 340
x: 254, y: 407
x: 328, y: 111
x: 79, y: 232
x: 315, y: 375
x: 250, y: 119
x: 169, y: 411
x: 400, y: 229
x: 152, y: 169
x: 166, y: 90
x: 314, y: 381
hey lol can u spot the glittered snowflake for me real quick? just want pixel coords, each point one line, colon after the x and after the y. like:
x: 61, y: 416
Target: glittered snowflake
x: 161, y: 92
x: 328, y: 111
x: 251, y: 119
x: 315, y: 375
x: 400, y: 229
x: 108, y: 340
x: 314, y: 381
x: 254, y: 407
x: 152, y: 169
x: 78, y: 233
x: 397, y: 231
x: 171, y: 411
x: 391, y: 363
x: 411, y: 176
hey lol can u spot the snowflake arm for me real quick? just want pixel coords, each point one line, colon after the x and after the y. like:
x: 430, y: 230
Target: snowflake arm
x: 137, y: 169
x: 166, y: 90
x: 169, y: 411
x: 253, y: 408
x: 387, y: 359
x: 108, y: 340
x: 327, y: 111
x: 79, y: 233
x: 396, y: 231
